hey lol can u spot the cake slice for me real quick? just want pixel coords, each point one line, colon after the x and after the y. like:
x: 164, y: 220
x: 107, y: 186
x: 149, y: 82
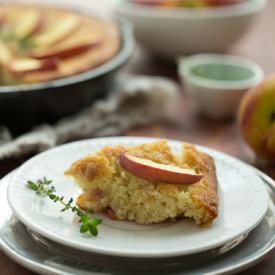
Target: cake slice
x: 122, y: 195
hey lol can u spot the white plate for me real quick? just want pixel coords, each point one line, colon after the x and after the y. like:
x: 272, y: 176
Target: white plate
x: 243, y: 198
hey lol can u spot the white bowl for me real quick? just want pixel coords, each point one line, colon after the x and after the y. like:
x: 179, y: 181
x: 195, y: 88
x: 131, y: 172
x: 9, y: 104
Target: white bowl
x: 173, y: 32
x: 217, y: 98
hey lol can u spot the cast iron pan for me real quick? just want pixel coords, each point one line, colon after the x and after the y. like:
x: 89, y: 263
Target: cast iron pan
x: 24, y: 106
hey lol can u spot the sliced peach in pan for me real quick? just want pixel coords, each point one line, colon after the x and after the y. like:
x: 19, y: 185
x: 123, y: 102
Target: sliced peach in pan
x: 2, y: 17
x: 28, y: 65
x: 29, y: 22
x: 63, y: 51
x: 155, y: 172
x: 6, y: 54
x: 148, y: 2
x: 65, y: 26
x: 223, y: 2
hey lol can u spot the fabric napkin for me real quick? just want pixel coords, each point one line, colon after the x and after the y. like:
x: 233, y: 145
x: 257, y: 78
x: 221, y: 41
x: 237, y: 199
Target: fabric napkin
x: 135, y: 100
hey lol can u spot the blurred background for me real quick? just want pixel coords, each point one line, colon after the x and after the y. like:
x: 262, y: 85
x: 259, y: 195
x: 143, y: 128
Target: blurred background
x: 165, y: 68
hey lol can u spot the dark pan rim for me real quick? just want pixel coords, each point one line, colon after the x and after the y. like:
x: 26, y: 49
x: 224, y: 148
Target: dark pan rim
x: 127, y: 46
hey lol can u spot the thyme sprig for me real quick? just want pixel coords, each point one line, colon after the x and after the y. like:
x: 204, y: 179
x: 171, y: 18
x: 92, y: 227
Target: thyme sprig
x: 44, y: 188
x: 9, y: 36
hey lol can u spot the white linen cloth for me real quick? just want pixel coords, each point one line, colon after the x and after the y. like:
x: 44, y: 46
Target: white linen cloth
x: 136, y: 100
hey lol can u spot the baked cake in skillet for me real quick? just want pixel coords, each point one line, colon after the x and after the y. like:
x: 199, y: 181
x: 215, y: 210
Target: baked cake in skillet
x: 39, y: 43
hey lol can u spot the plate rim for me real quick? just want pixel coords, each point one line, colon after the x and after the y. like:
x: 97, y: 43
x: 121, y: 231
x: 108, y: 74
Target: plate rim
x: 44, y: 269
x: 115, y: 252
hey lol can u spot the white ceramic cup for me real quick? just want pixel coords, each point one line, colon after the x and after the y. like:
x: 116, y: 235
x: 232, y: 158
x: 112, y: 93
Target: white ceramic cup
x: 217, y: 98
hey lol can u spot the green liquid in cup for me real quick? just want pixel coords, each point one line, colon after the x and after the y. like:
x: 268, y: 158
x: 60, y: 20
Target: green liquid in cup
x: 222, y: 72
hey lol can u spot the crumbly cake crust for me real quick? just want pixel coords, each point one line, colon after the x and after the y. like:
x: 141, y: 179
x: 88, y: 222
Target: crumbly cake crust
x: 108, y: 188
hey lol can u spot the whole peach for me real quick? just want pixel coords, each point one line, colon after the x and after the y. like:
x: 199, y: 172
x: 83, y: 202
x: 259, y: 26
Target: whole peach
x: 257, y: 118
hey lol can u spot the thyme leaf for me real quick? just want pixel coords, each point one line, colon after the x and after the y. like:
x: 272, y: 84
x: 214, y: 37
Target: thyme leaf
x: 44, y: 188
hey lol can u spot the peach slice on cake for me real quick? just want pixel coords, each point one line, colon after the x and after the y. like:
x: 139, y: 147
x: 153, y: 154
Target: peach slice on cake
x: 64, y: 50
x: 65, y: 26
x: 156, y: 172
x: 6, y: 54
x: 27, y: 65
x: 2, y: 17
x: 28, y: 23
x: 148, y: 2
x: 223, y: 2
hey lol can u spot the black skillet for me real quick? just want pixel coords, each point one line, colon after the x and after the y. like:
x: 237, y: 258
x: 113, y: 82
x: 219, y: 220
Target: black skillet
x: 24, y: 106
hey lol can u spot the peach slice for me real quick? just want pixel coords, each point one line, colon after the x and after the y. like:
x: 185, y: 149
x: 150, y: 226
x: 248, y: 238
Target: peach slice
x: 6, y: 54
x: 187, y: 3
x: 2, y: 17
x: 30, y: 22
x: 155, y: 172
x: 148, y: 2
x: 223, y: 2
x: 63, y: 51
x: 28, y: 65
x: 63, y: 29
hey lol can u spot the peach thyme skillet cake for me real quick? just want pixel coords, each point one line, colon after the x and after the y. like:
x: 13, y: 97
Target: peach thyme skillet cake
x: 41, y: 43
x: 148, y: 184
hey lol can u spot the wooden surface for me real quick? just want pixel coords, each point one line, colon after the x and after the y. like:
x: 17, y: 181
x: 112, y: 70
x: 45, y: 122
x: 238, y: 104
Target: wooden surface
x: 258, y: 44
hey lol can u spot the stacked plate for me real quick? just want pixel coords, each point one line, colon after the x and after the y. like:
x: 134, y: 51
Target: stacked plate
x: 37, y: 235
